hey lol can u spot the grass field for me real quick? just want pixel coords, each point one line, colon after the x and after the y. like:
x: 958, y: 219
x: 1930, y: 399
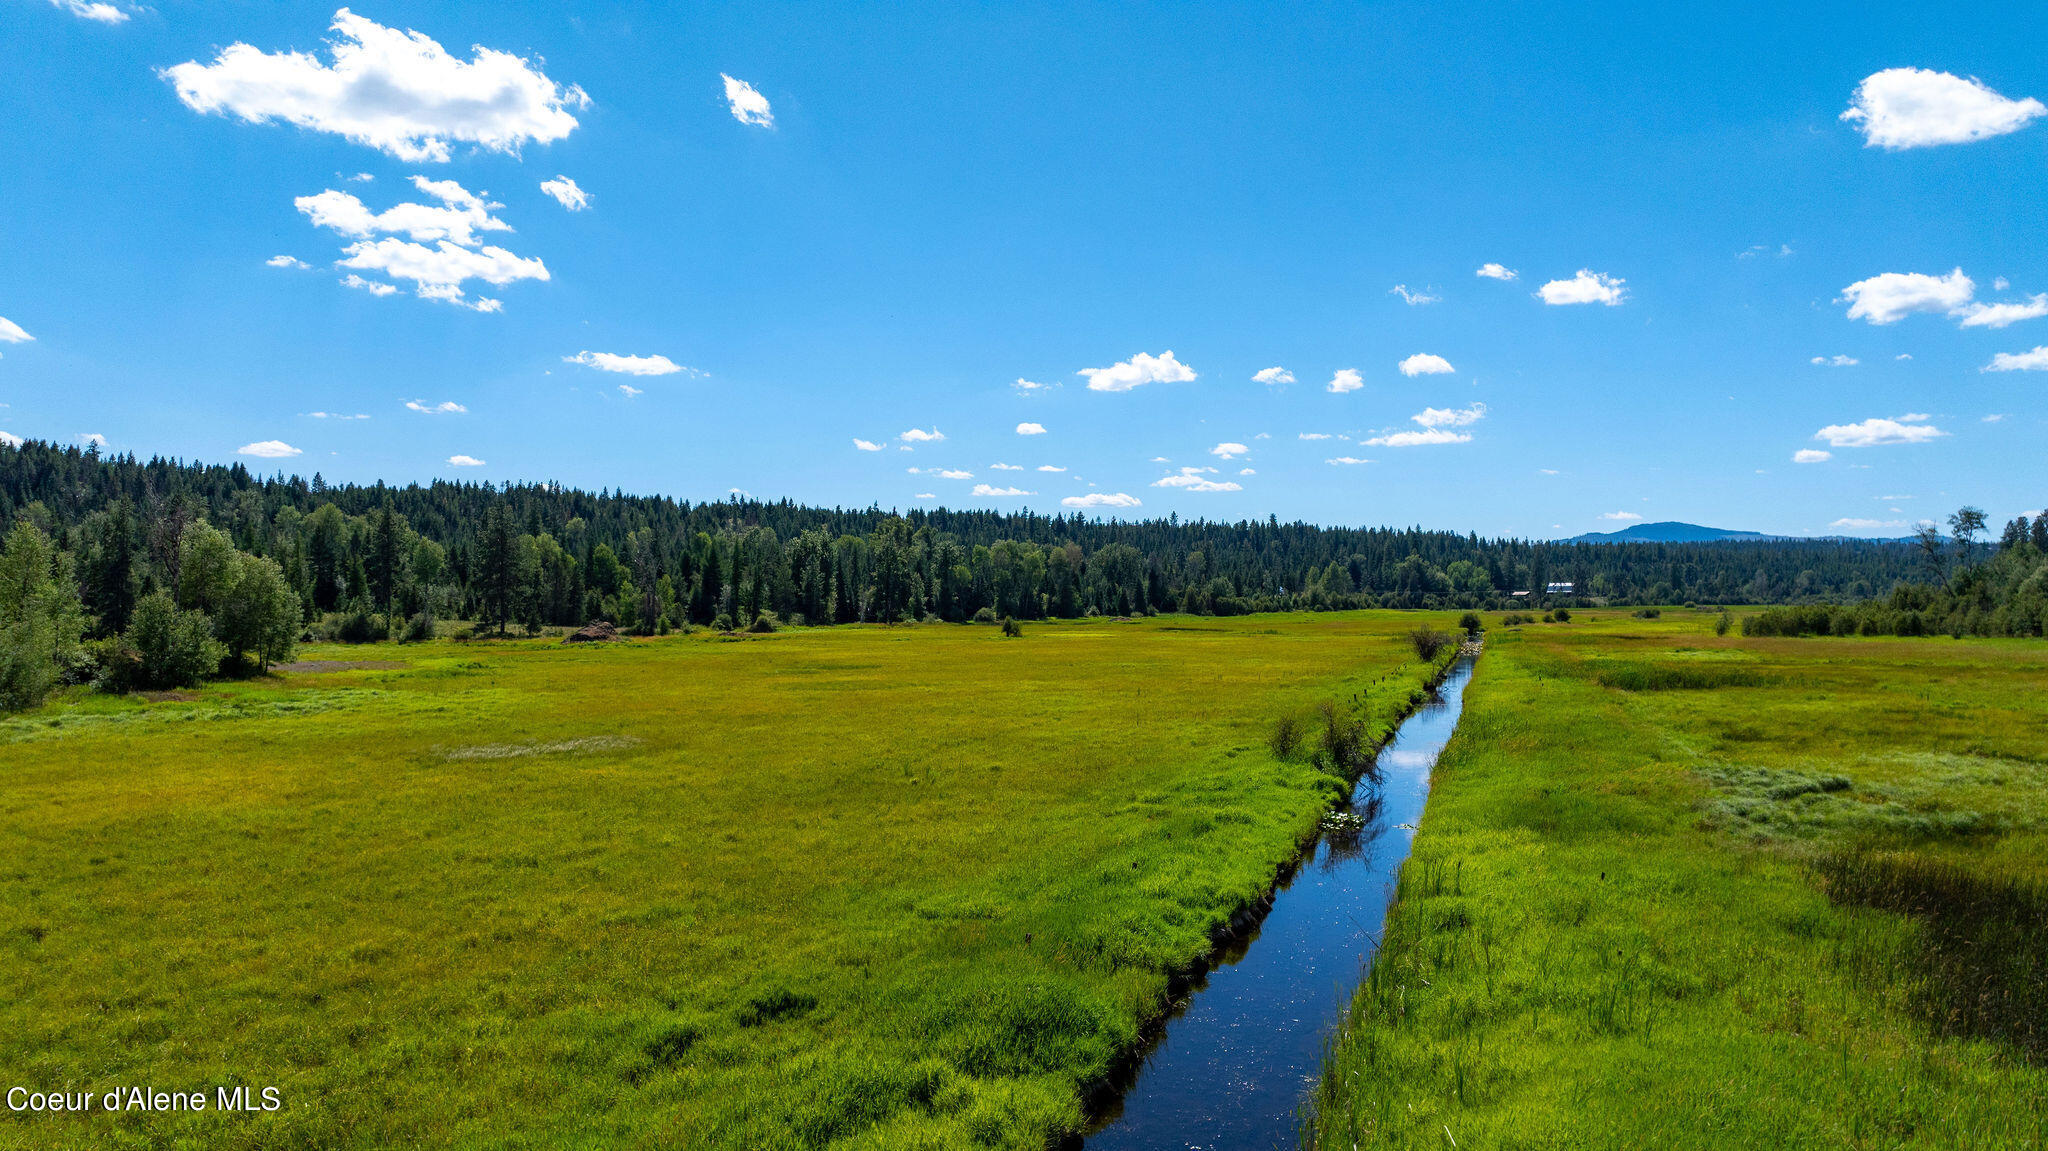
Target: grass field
x: 1674, y: 890
x: 859, y: 887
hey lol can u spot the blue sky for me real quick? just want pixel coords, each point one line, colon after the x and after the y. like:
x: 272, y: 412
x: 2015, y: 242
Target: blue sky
x: 887, y: 218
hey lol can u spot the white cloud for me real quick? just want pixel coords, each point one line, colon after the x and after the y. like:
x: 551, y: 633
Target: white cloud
x: 1911, y: 428
x: 2002, y: 315
x: 987, y: 490
x: 1024, y: 385
x: 1102, y: 500
x: 1917, y: 107
x: 1030, y: 429
x: 1811, y: 456
x: 286, y: 262
x: 1412, y: 299
x: 1856, y: 524
x: 869, y: 446
x: 473, y: 462
x: 1138, y: 370
x: 1993, y: 418
x: 1836, y: 361
x: 1424, y: 364
x: 11, y: 333
x: 920, y: 436
x: 1346, y: 380
x: 335, y: 416
x: 268, y: 450
x: 1546, y: 471
x: 92, y: 10
x: 1050, y: 468
x: 2000, y: 283
x: 2034, y: 361
x: 1419, y: 439
x: 630, y: 391
x: 955, y: 474
x: 566, y: 193
x: 397, y: 91
x: 1903, y: 356
x: 1229, y: 451
x: 1194, y: 480
x: 444, y: 408
x: 371, y: 286
x: 459, y: 217
x: 1273, y: 376
x: 748, y: 106
x: 1496, y: 272
x: 1314, y: 436
x: 1005, y: 468
x: 927, y: 495
x: 1347, y: 461
x: 11, y: 440
x: 1619, y: 516
x: 438, y: 272
x: 1247, y: 471
x: 1450, y: 417
x: 1588, y: 287
x: 1892, y: 296
x: 626, y: 365
x: 94, y: 438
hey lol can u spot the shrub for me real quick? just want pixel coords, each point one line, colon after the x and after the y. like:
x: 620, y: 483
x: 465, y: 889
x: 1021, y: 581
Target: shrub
x: 1471, y: 622
x: 1563, y: 614
x: 356, y: 626
x: 1722, y: 622
x: 723, y: 622
x: 1429, y: 642
x: 173, y: 647
x: 420, y: 627
x: 765, y: 622
x: 985, y: 615
x: 1516, y: 619
x: 1286, y: 738
x: 1647, y: 613
x: 1012, y: 628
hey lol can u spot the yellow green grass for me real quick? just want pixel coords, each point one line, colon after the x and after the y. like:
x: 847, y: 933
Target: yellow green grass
x: 858, y: 887
x: 1674, y: 890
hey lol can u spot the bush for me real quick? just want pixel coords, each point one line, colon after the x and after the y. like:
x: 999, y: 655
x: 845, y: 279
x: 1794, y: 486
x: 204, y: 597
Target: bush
x: 1012, y: 628
x: 765, y: 622
x: 1286, y: 738
x: 1471, y: 622
x: 1722, y: 622
x: 722, y: 623
x: 985, y: 615
x: 173, y: 648
x: 1429, y: 642
x: 1516, y: 619
x: 356, y: 626
x: 419, y: 628
x: 1563, y: 614
x: 1647, y: 613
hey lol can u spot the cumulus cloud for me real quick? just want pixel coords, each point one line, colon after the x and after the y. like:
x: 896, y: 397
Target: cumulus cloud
x: 748, y: 106
x: 1619, y: 516
x: 335, y: 416
x: 1102, y: 500
x: 1811, y: 456
x: 1588, y: 287
x: 2034, y: 361
x: 1450, y: 417
x: 2002, y: 315
x: 1346, y: 461
x: 1918, y: 107
x: 927, y: 495
x: 472, y: 462
x: 286, y: 262
x: 459, y: 217
x: 1412, y: 299
x: 1314, y: 436
x: 13, y: 441
x: 94, y: 438
x: 1197, y: 480
x: 1005, y: 467
x: 1496, y: 272
x: 397, y: 91
x: 1030, y: 429
x: 955, y: 474
x: 1836, y: 361
x: 566, y: 193
x: 92, y: 10
x: 268, y: 450
x: 11, y: 333
x: 867, y: 446
x: 920, y: 436
x: 1138, y: 370
x: 1892, y: 296
x: 1419, y: 439
x: 1229, y: 451
x: 1346, y: 380
x: 629, y: 391
x: 1024, y: 385
x: 988, y: 490
x: 438, y: 272
x: 626, y: 365
x: 444, y: 408
x: 1273, y: 376
x: 1911, y: 428
x: 1424, y: 364
x: 1858, y: 524
x: 1050, y: 468
x: 371, y: 286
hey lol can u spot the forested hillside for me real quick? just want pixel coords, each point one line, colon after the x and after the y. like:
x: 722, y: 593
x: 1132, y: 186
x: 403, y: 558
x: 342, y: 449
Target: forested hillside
x: 543, y: 554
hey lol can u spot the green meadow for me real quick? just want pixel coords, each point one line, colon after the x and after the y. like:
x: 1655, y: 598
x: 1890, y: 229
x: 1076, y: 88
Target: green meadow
x: 856, y: 887
x: 1676, y: 889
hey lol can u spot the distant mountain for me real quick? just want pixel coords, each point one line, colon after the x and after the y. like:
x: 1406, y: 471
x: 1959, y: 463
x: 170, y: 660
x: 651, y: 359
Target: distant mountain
x: 1667, y: 532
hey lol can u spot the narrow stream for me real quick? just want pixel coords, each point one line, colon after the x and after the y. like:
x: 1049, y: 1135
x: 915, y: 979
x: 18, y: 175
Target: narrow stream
x: 1232, y: 1069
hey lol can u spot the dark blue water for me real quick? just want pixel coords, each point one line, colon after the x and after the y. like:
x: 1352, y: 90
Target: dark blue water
x: 1232, y: 1070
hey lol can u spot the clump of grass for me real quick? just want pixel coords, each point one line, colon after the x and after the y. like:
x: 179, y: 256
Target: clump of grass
x: 1773, y: 803
x: 1648, y: 676
x: 774, y: 1003
x: 1978, y: 964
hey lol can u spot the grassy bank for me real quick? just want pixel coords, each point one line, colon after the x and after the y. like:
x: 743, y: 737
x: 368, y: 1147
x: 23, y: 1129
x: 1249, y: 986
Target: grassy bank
x: 1675, y: 890
x: 864, y: 887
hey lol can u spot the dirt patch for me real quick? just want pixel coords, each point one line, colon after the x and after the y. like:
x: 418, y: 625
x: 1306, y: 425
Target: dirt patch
x: 315, y: 666
x: 598, y: 631
x: 558, y: 747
